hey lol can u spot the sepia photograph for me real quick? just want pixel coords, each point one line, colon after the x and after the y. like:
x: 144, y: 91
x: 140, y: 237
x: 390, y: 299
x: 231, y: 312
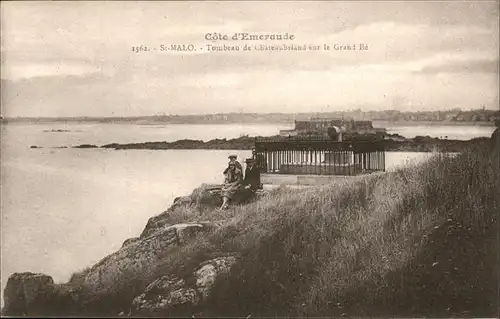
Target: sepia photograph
x: 250, y: 159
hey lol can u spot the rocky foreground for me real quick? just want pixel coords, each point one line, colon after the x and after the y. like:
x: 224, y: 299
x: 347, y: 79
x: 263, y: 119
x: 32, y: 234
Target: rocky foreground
x: 36, y: 294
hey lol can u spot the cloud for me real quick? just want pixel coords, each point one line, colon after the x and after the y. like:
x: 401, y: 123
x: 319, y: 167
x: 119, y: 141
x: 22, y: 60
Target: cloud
x: 32, y: 70
x: 445, y: 62
x: 471, y: 66
x: 225, y: 80
x: 76, y: 58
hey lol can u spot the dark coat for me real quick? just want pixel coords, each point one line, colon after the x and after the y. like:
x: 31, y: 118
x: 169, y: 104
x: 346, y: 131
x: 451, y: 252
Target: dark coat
x: 252, y: 178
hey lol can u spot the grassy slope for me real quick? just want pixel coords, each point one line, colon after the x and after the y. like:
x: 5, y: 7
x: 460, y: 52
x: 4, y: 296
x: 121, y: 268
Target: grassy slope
x: 419, y: 241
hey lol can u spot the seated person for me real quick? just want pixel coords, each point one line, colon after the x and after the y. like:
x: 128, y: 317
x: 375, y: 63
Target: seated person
x: 232, y: 159
x: 251, y: 182
x: 232, y: 183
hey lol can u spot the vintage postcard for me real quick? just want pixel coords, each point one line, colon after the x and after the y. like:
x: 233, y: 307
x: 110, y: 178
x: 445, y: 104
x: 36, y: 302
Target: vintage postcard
x: 250, y: 158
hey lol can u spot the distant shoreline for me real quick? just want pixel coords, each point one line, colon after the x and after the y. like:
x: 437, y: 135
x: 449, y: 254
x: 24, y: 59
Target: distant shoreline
x: 433, y: 123
x: 454, y: 116
x: 376, y: 123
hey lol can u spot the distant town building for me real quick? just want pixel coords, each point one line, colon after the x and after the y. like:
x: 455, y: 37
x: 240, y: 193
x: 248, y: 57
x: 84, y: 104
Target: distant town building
x: 334, y: 129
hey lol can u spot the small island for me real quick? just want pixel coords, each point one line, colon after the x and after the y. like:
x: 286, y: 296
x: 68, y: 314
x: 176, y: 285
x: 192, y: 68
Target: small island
x: 392, y: 143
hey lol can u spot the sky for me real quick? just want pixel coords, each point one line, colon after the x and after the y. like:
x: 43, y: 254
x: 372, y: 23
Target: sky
x: 76, y: 58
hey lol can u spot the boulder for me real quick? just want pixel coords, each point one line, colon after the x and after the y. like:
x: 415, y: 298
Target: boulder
x: 139, y: 256
x: 130, y: 241
x: 36, y: 295
x: 208, y: 272
x: 155, y: 223
x: 181, y: 201
x: 170, y: 295
x: 167, y: 294
x: 161, y: 220
x: 27, y: 293
x: 207, y: 195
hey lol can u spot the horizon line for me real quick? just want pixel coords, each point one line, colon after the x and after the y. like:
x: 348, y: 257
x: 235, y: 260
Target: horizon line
x: 246, y: 113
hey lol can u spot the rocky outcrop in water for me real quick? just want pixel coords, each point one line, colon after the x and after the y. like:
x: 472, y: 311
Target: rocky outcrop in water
x: 86, y: 146
x: 241, y: 143
x: 26, y: 292
x: 56, y: 131
x: 34, y: 294
x: 392, y: 142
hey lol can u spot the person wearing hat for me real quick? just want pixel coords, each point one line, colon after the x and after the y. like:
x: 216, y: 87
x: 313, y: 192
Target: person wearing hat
x: 233, y: 181
x: 251, y: 182
x: 232, y: 159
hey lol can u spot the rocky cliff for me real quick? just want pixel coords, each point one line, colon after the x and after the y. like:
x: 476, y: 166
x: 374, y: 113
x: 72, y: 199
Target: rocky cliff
x: 128, y: 281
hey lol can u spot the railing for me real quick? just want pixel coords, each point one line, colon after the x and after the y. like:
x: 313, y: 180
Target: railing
x: 301, y: 155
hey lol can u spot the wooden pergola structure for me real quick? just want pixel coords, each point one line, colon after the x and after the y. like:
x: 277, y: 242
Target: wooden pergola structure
x: 318, y: 156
